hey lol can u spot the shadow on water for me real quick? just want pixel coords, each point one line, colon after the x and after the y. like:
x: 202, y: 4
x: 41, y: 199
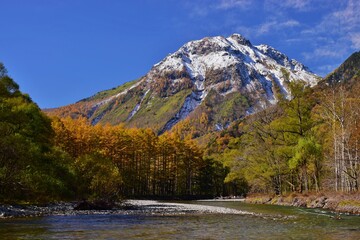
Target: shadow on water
x: 273, y: 222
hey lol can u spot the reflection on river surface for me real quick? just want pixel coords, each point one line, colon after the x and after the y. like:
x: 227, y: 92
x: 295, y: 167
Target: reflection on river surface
x: 270, y: 222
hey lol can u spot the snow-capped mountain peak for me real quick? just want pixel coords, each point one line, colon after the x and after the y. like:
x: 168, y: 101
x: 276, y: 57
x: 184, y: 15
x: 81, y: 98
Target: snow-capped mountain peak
x: 240, y: 39
x: 250, y: 70
x: 228, y: 72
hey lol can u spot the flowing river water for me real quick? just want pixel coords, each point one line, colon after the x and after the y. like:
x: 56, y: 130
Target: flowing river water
x: 266, y: 222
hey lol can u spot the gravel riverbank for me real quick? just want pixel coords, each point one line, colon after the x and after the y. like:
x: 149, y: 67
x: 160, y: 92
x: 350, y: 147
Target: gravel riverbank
x: 141, y: 207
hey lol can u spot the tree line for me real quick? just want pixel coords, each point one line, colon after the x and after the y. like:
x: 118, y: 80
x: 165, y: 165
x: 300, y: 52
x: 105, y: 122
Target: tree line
x: 134, y: 162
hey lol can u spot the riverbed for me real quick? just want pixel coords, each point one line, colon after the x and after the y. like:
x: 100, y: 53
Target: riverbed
x: 190, y: 220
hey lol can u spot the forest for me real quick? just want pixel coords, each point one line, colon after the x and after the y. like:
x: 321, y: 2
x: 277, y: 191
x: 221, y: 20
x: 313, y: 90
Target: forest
x: 308, y: 143
x: 47, y: 158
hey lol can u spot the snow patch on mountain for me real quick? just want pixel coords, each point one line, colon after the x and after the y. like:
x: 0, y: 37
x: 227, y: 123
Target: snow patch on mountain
x: 190, y: 103
x: 109, y: 99
x: 137, y: 106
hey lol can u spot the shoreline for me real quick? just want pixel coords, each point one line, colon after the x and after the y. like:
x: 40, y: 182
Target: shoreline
x: 128, y: 207
x: 335, y: 202
x: 339, y: 203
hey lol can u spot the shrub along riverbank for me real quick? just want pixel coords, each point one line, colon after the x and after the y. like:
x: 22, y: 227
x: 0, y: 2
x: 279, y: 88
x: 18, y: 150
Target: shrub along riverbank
x: 337, y: 202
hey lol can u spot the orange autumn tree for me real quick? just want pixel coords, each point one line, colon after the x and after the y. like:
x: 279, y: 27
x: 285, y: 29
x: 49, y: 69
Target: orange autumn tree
x: 139, y: 163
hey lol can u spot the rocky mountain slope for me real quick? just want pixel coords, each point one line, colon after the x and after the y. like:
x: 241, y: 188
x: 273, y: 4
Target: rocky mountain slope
x: 215, y: 80
x: 346, y: 73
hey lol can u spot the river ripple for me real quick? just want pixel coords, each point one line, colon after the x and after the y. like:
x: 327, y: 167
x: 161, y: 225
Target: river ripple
x: 228, y: 220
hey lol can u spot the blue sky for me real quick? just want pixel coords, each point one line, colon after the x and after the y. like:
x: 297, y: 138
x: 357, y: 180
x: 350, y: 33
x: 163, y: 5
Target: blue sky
x: 61, y: 51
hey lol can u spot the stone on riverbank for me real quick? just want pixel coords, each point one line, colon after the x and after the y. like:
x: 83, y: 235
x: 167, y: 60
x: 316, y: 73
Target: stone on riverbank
x: 94, y: 205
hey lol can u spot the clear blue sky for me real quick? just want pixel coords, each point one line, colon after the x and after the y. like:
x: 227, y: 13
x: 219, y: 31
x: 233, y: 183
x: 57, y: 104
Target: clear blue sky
x: 61, y: 51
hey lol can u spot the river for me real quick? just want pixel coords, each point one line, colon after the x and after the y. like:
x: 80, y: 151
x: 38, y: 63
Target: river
x: 268, y: 222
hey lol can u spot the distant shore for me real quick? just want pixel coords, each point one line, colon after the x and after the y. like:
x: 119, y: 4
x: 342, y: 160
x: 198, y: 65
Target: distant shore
x: 223, y: 200
x: 336, y: 202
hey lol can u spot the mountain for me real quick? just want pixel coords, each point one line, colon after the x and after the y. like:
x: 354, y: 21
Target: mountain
x: 347, y: 73
x: 213, y: 81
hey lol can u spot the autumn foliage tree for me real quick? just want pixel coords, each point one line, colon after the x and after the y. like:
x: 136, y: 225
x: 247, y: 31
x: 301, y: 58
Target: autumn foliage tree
x: 138, y: 163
